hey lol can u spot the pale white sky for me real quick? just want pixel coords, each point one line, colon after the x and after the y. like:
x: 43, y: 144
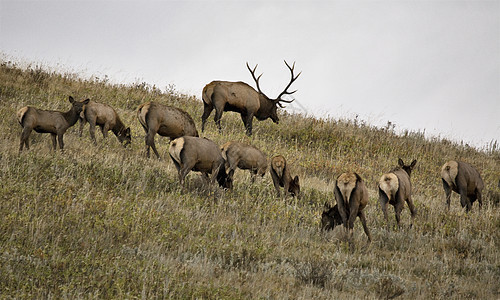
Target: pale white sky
x: 432, y: 65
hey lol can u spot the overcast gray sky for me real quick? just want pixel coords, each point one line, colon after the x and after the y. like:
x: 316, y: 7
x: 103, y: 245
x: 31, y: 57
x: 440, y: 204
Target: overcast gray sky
x: 432, y: 65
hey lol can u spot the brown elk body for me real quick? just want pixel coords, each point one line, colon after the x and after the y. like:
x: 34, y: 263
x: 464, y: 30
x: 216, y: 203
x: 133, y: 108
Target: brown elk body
x: 281, y: 177
x: 395, y: 189
x: 243, y: 99
x: 107, y: 119
x: 165, y: 120
x: 351, y: 195
x: 464, y: 179
x: 48, y: 121
x: 198, y: 154
x: 245, y: 157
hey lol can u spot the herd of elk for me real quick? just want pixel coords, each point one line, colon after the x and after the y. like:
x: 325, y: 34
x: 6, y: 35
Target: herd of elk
x: 243, y: 99
x: 192, y: 153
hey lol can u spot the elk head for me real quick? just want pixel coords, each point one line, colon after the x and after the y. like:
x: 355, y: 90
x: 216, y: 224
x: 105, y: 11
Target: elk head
x: 270, y: 107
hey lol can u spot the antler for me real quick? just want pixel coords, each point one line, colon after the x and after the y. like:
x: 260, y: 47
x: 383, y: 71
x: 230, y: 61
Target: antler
x: 253, y: 75
x: 285, y: 91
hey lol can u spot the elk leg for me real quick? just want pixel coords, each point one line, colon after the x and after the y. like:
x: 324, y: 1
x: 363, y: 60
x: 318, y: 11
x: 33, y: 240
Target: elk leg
x: 353, y: 213
x: 27, y: 143
x: 150, y: 142
x: 248, y: 124
x: 183, y: 172
x: 479, y: 198
x: 82, y: 125
x: 413, y: 212
x: 54, y: 142
x: 362, y: 218
x: 230, y: 177
x: 253, y: 176
x: 60, y: 140
x: 341, y: 205
x: 92, y: 132
x: 215, y: 171
x: 207, y: 110
x: 25, y: 134
x: 464, y: 200
x: 276, y: 183
x: 398, y: 208
x: 447, y: 191
x: 217, y: 117
x: 105, y: 130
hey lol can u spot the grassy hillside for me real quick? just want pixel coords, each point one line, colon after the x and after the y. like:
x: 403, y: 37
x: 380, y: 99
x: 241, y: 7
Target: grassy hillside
x: 105, y: 222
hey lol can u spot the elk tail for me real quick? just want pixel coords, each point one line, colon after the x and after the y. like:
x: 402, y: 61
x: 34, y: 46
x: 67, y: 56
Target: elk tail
x: 449, y: 172
x: 21, y: 113
x: 176, y: 147
x: 346, y: 184
x: 141, y: 115
x: 389, y: 184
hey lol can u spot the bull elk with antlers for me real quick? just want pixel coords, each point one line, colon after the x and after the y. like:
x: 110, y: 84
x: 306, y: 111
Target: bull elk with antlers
x: 243, y: 99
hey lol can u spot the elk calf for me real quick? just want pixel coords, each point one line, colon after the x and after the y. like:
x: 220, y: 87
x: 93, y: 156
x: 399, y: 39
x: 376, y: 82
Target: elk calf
x: 281, y: 177
x: 351, y: 195
x: 245, y: 157
x: 105, y: 117
x: 198, y: 154
x: 166, y: 121
x: 464, y: 179
x: 330, y: 218
x: 395, y: 189
x: 48, y: 121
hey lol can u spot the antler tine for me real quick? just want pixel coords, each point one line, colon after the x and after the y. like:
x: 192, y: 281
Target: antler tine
x: 293, y: 78
x: 253, y: 75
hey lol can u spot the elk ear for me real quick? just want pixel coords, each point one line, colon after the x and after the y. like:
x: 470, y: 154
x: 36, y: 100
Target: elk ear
x: 127, y: 131
x: 296, y: 179
x: 413, y: 163
x: 86, y: 101
x: 71, y: 100
x: 400, y: 162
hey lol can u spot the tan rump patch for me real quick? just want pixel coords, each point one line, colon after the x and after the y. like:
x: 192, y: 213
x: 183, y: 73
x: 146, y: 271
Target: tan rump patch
x: 449, y: 172
x: 176, y: 148
x: 278, y: 164
x: 224, y: 148
x: 346, y: 183
x: 20, y: 114
x: 389, y: 183
x: 141, y: 113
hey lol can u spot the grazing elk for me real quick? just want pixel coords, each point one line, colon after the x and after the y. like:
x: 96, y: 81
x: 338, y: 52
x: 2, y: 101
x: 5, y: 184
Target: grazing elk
x: 281, y: 177
x: 395, y: 189
x: 243, y: 99
x: 245, y: 157
x: 330, y: 218
x: 351, y: 195
x: 464, y: 179
x: 198, y: 154
x: 105, y: 117
x: 48, y: 121
x: 166, y: 121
